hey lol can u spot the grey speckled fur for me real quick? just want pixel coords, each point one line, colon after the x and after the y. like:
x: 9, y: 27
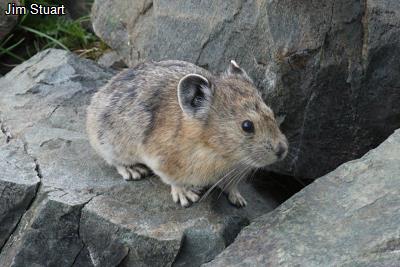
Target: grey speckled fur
x: 144, y: 102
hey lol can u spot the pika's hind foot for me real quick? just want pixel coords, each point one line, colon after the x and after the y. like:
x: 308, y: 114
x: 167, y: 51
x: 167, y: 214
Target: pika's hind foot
x: 134, y: 172
x: 236, y: 198
x: 182, y: 194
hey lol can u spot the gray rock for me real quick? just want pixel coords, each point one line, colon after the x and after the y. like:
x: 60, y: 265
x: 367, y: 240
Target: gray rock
x: 78, y: 9
x: 111, y: 60
x: 350, y: 217
x: 7, y: 22
x: 120, y: 23
x: 322, y: 65
x: 48, y: 234
x: 84, y: 214
x: 133, y: 227
x: 18, y: 185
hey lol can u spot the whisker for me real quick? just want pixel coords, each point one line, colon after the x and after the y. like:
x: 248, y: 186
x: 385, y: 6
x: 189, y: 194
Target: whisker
x: 253, y: 172
x: 240, y: 179
x: 208, y: 192
x: 243, y: 172
x: 240, y: 172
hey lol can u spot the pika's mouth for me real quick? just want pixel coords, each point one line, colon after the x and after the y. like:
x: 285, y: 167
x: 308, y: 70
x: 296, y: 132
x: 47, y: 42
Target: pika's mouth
x: 259, y: 160
x: 262, y: 162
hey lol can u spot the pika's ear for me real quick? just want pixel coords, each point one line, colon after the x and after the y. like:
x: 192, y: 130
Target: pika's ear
x: 235, y: 70
x: 195, y: 95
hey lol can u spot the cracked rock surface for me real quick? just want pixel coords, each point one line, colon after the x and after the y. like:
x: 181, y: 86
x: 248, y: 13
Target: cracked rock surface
x: 329, y: 68
x: 349, y: 217
x: 61, y: 205
x: 18, y: 186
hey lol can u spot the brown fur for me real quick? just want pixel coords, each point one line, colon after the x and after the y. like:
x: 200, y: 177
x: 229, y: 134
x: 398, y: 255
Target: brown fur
x: 137, y: 119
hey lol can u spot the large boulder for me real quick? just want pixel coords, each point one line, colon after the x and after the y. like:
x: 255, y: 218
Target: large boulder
x: 350, y: 217
x: 329, y: 68
x: 61, y: 205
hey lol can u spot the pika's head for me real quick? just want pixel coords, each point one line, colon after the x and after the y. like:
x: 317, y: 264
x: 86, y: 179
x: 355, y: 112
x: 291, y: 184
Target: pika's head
x: 235, y: 121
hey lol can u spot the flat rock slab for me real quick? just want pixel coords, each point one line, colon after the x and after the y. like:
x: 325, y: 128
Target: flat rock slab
x: 350, y: 217
x: 84, y: 214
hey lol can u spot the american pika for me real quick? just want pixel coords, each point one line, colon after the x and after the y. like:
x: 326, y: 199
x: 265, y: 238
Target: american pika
x: 188, y: 126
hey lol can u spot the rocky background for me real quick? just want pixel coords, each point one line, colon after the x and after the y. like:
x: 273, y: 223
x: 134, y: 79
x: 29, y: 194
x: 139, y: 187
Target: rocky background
x: 329, y: 69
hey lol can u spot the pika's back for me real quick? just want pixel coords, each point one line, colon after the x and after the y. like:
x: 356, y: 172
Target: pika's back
x: 133, y: 100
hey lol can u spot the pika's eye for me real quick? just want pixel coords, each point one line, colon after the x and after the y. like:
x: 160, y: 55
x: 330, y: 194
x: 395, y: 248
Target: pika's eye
x: 248, y: 126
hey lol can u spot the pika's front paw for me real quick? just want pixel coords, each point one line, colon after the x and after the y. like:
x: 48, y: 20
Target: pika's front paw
x: 237, y: 199
x: 182, y: 195
x: 135, y: 172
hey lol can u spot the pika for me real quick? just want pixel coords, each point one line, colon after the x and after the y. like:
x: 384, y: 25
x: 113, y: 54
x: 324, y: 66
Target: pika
x: 190, y: 127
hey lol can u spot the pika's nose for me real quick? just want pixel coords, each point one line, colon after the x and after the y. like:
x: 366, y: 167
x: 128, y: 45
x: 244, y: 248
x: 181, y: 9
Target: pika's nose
x: 281, y: 150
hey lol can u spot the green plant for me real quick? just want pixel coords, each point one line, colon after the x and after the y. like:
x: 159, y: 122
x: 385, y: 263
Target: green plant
x: 35, y: 33
x: 8, y: 50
